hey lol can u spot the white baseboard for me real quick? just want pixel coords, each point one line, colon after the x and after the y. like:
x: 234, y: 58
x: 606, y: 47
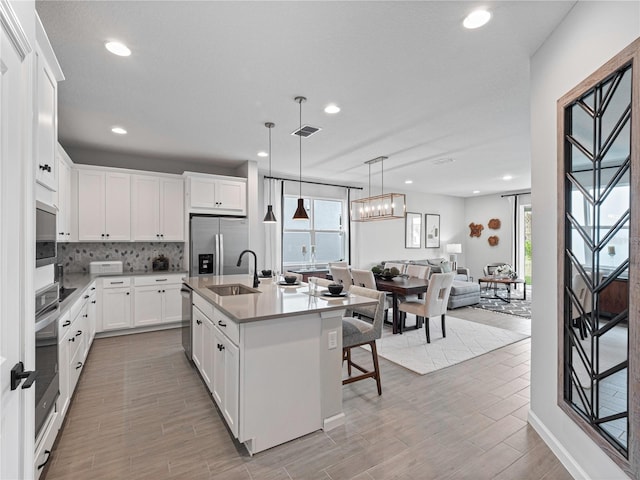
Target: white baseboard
x: 557, y: 448
x: 132, y: 331
x: 333, y: 422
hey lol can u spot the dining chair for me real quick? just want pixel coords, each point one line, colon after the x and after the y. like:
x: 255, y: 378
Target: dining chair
x: 416, y: 271
x: 434, y: 303
x: 365, y: 278
x: 338, y: 264
x: 321, y: 282
x: 400, y: 266
x: 341, y: 275
x: 356, y: 333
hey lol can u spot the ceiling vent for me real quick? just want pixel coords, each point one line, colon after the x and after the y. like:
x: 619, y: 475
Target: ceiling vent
x: 306, y: 131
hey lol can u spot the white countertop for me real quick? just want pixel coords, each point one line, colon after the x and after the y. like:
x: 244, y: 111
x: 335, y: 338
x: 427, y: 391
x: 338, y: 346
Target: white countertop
x: 273, y: 301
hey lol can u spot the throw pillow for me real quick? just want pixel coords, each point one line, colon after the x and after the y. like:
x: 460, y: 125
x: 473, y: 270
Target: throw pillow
x: 446, y: 267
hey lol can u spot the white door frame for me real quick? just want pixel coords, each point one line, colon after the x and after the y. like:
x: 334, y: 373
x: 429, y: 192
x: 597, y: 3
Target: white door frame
x: 17, y: 237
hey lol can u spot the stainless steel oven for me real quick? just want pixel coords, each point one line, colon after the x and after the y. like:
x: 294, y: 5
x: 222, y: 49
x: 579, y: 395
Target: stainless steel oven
x: 46, y: 251
x: 47, y: 382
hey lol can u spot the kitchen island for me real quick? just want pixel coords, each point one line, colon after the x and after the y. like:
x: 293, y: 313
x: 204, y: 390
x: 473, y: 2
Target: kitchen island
x: 271, y: 356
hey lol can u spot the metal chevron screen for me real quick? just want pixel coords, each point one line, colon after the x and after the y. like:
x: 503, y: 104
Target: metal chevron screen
x: 597, y: 217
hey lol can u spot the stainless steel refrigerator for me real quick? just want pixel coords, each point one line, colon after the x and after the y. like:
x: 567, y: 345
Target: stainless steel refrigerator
x: 215, y: 245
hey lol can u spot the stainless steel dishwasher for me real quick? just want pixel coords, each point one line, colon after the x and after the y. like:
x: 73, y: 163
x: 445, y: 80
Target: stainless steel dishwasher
x: 186, y: 293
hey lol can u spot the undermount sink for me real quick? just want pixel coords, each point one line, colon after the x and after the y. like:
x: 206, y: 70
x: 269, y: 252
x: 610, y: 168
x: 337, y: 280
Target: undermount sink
x: 233, y: 289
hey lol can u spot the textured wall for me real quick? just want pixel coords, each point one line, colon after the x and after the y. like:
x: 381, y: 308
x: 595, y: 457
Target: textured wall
x: 137, y: 256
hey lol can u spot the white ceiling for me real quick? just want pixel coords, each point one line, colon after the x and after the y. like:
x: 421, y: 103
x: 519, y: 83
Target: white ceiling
x: 204, y: 77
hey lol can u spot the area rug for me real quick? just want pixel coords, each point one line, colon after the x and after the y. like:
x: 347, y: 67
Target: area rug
x: 464, y: 340
x: 521, y: 308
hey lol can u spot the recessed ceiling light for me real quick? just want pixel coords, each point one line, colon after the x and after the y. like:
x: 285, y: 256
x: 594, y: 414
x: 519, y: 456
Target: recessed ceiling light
x: 263, y: 154
x: 118, y: 48
x: 476, y: 191
x: 507, y: 177
x: 119, y: 130
x: 408, y: 181
x: 476, y: 19
x: 331, y: 108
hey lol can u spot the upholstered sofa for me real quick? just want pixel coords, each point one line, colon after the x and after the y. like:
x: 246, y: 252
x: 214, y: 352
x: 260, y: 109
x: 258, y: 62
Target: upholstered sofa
x: 464, y: 292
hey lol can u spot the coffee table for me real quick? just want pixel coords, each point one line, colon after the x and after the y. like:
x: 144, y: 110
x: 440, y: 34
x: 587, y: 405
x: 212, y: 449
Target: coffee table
x: 504, y: 281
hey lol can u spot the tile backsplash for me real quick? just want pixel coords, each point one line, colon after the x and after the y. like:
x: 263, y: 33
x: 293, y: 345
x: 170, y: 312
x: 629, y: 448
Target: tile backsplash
x: 136, y: 256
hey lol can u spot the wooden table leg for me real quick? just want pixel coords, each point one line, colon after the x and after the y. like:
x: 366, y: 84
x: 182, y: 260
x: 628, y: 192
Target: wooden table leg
x: 397, y: 328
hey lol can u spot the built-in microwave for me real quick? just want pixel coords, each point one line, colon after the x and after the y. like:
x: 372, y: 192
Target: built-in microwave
x: 46, y: 251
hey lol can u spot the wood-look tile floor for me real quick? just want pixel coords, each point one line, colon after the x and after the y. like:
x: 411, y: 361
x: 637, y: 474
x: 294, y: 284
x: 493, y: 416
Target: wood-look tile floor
x: 141, y: 411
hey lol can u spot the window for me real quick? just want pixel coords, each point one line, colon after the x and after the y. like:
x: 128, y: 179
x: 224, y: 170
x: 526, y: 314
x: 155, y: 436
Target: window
x: 319, y: 240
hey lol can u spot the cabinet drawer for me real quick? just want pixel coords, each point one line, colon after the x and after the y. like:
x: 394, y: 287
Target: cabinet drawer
x: 77, y: 307
x: 204, y: 306
x: 230, y: 328
x: 169, y: 279
x: 74, y: 340
x: 45, y: 443
x: 116, y: 282
x: 75, y: 368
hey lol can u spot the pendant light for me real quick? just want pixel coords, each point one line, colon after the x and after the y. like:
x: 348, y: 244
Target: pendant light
x: 270, y: 217
x: 386, y: 206
x: 301, y: 213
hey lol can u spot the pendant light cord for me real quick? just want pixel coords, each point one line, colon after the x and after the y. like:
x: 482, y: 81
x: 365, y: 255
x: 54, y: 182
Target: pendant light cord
x: 270, y: 127
x: 300, y: 141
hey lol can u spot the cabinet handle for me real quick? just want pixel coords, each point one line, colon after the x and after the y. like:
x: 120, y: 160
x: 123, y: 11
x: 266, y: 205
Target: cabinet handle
x: 159, y: 291
x: 61, y: 233
x: 107, y: 235
x: 221, y: 323
x: 86, y: 315
x: 47, y: 168
x: 115, y: 283
x: 220, y: 347
x: 79, y: 333
x: 93, y: 288
x: 67, y: 323
x: 86, y: 296
x: 162, y: 291
x: 102, y: 235
x: 48, y: 454
x: 93, y: 301
x: 127, y: 293
x: 199, y: 322
x: 161, y: 279
x: 67, y: 234
x: 79, y: 365
x: 72, y: 339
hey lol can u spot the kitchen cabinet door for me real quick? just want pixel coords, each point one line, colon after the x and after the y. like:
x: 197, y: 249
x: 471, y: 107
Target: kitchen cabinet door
x: 147, y: 303
x: 203, y: 192
x: 145, y: 208
x: 46, y: 124
x: 91, y: 205
x: 63, y: 364
x: 117, y: 206
x: 226, y: 378
x: 231, y: 195
x: 172, y: 210
x: 64, y: 200
x: 116, y: 308
x: 172, y: 304
x: 92, y: 314
x: 207, y: 352
x: 197, y: 327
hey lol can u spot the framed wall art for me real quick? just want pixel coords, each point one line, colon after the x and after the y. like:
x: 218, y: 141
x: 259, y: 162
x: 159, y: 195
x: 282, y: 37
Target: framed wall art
x: 432, y: 230
x: 412, y: 230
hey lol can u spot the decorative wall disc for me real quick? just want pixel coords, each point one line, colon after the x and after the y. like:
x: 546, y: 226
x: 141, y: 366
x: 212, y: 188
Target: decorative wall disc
x: 493, y: 240
x: 494, y: 223
x: 476, y: 229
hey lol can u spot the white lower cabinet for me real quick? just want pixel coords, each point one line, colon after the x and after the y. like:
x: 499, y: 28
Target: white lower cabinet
x: 116, y: 307
x: 226, y: 378
x: 217, y: 358
x: 157, y: 299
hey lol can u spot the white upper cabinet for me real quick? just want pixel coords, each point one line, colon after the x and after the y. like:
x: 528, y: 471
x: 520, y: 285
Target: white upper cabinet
x: 157, y: 208
x: 64, y: 197
x: 104, y: 206
x: 219, y: 195
x: 47, y: 76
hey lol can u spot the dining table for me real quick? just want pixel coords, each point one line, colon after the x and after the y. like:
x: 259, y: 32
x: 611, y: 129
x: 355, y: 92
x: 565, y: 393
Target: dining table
x: 401, y: 287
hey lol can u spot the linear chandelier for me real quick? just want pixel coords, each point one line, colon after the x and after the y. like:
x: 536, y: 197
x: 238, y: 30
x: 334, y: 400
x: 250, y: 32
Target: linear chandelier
x: 386, y: 206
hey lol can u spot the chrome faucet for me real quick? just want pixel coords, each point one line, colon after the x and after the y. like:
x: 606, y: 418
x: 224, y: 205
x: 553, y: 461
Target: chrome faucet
x: 256, y: 282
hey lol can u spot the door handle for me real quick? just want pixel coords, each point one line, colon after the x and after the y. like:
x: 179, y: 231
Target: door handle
x: 221, y: 323
x: 18, y: 373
